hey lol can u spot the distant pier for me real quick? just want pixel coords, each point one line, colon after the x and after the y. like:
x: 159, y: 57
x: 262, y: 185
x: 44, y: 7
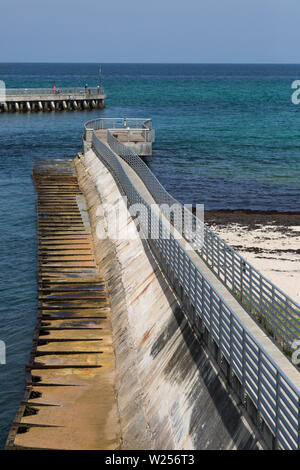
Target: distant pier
x: 46, y: 99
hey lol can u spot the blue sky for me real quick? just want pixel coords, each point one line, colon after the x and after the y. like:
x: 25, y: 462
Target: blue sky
x: 150, y: 31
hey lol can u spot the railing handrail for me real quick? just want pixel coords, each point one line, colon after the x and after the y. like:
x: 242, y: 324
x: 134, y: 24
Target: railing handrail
x: 124, y: 123
x: 275, y: 396
x: 50, y: 91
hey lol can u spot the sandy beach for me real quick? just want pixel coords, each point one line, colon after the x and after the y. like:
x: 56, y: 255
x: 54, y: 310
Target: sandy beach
x: 268, y: 240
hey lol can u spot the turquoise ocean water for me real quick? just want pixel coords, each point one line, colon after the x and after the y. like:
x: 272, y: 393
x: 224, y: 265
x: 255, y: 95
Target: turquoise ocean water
x: 227, y: 136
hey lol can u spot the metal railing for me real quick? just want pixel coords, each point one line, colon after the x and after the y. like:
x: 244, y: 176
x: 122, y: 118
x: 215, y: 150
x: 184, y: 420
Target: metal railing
x: 119, y: 123
x: 30, y: 92
x: 272, y: 393
x: 130, y: 129
x: 268, y: 304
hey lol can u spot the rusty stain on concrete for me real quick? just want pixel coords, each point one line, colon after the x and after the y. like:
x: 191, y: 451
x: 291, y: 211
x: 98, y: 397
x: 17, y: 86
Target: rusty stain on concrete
x: 145, y: 336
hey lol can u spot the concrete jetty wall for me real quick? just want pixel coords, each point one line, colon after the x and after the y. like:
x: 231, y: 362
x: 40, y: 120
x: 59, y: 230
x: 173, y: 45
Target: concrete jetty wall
x: 170, y: 393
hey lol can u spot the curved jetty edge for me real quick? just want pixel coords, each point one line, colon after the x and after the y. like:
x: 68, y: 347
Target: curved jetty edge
x: 184, y: 365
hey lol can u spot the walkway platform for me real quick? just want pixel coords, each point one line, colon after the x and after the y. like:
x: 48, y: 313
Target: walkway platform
x: 123, y: 135
x: 70, y: 400
x: 136, y: 133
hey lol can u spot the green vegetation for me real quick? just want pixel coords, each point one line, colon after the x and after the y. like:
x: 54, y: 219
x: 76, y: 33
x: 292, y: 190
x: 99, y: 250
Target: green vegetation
x: 280, y: 317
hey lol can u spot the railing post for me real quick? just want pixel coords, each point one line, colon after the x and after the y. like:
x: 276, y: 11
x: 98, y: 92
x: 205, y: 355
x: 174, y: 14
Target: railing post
x: 273, y: 296
x: 260, y: 296
x: 220, y: 332
x: 250, y: 288
x: 210, y: 314
x: 244, y: 368
x: 241, y: 279
x: 258, y: 382
x: 212, y: 247
x: 298, y: 423
x: 230, y: 347
x: 225, y: 265
x: 218, y: 248
x: 189, y: 283
x: 277, y: 410
x: 202, y: 296
x: 233, y: 271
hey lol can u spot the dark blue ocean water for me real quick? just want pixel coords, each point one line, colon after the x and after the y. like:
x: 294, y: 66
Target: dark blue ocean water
x: 227, y: 136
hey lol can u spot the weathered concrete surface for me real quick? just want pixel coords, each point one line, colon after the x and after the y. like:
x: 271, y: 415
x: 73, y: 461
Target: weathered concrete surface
x: 170, y: 396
